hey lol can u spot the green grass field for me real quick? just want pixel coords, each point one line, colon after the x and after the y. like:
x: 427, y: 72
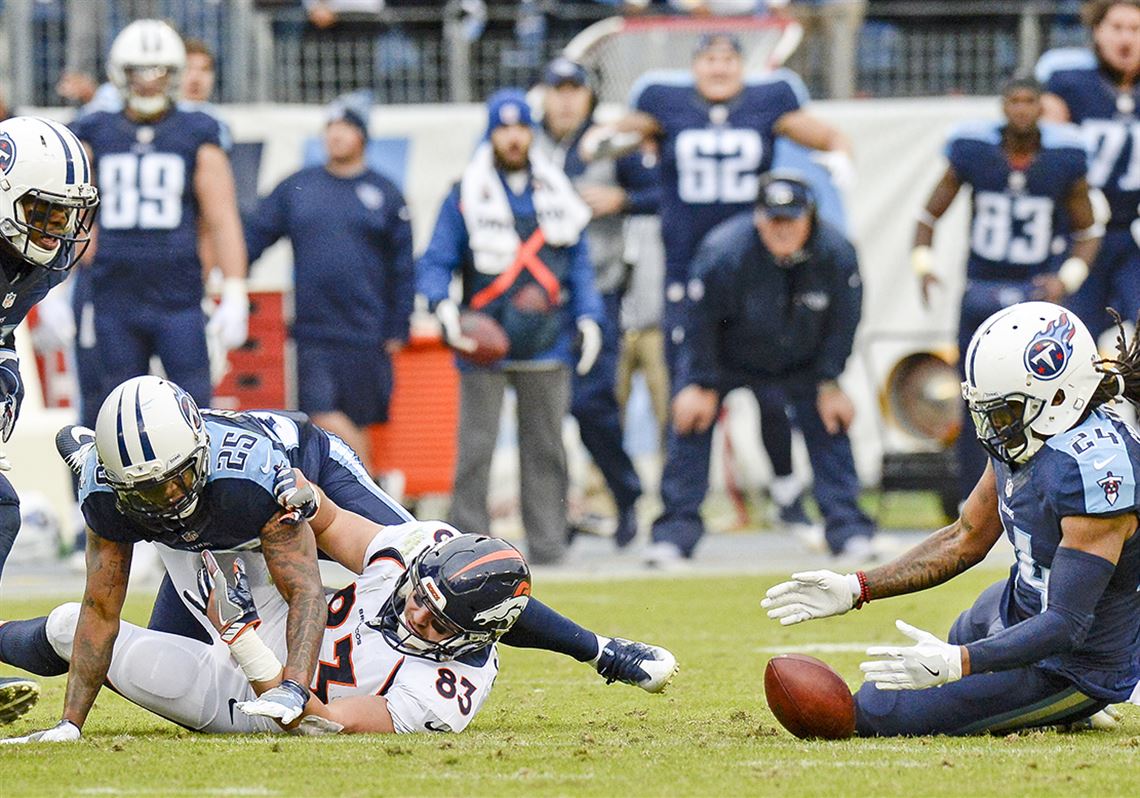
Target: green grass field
x: 553, y: 727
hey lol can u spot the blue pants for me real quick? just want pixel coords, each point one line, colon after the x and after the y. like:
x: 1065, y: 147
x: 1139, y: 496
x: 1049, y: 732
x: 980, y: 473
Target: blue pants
x: 836, y: 488
x: 1114, y: 281
x: 987, y: 702
x: 128, y: 333
x: 981, y: 300
x: 9, y: 519
x: 356, y: 381
x: 594, y: 404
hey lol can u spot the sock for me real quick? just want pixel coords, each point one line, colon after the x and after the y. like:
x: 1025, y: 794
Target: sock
x: 9, y: 528
x: 25, y: 645
x: 784, y: 490
x: 776, y: 432
x: 541, y: 627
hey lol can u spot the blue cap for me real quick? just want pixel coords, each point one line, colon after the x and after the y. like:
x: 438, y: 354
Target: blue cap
x: 350, y: 109
x: 508, y: 107
x: 785, y: 198
x: 563, y: 70
x: 708, y: 40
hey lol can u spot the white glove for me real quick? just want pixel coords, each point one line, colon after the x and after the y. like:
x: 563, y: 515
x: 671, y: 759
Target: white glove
x: 839, y: 165
x: 316, y: 726
x: 448, y: 314
x: 230, y: 320
x: 63, y: 732
x: 927, y: 664
x: 811, y: 594
x: 56, y: 327
x: 284, y: 703
x: 590, y: 346
x: 1134, y: 228
x: 602, y: 141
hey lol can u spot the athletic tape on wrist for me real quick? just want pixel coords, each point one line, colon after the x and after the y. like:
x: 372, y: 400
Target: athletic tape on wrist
x: 256, y: 661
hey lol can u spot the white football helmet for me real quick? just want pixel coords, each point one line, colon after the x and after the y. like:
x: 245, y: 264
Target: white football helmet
x: 153, y: 445
x: 46, y: 194
x: 144, y: 55
x: 1030, y: 373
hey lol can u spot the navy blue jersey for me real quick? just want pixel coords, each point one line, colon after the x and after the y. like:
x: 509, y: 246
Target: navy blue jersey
x: 1015, y: 214
x: 712, y: 154
x: 1088, y: 470
x: 19, y: 294
x: 1106, y: 115
x: 148, y: 214
x: 352, y: 254
x: 238, y: 494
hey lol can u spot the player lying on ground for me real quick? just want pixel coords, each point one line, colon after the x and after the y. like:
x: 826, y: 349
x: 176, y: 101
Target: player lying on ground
x: 1057, y: 641
x: 405, y: 648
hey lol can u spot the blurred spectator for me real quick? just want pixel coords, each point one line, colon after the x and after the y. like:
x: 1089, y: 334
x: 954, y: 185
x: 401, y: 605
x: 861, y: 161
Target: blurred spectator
x: 326, y: 13
x: 612, y: 190
x: 517, y: 239
x: 831, y: 33
x: 352, y: 277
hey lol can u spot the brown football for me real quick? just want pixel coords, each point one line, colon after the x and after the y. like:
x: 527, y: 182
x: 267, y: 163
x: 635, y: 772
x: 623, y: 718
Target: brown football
x: 491, y: 342
x: 809, y: 698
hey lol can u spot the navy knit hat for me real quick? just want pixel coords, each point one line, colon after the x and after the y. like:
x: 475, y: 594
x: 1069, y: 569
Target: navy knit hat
x: 340, y: 111
x: 508, y: 107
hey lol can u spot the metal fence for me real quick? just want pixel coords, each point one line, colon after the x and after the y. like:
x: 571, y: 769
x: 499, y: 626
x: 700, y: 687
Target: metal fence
x: 441, y: 51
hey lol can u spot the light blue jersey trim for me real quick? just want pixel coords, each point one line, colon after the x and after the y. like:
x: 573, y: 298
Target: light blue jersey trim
x: 1104, y: 464
x: 984, y: 132
x: 1062, y: 59
x: 257, y: 463
x: 1058, y: 136
x: 343, y: 454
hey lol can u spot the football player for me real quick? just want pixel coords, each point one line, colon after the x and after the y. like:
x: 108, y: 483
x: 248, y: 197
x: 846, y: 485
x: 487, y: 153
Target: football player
x: 716, y: 131
x: 1027, y: 183
x: 1097, y: 89
x: 164, y: 172
x: 165, y: 474
x: 1056, y: 641
x: 46, y: 203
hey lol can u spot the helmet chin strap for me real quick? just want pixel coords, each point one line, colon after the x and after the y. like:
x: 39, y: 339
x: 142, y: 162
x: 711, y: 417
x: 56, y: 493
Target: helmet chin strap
x: 147, y: 106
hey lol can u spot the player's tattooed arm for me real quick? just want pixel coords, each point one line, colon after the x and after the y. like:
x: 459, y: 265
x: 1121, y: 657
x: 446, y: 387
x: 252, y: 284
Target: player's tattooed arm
x: 291, y: 554
x: 108, y: 568
x: 949, y: 551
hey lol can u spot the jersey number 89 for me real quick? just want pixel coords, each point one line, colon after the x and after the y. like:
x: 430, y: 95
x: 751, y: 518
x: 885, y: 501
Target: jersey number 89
x: 141, y: 191
x: 718, y: 165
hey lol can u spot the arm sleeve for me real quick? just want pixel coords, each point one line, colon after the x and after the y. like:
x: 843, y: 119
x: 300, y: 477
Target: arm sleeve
x: 268, y: 221
x: 402, y: 282
x: 846, y: 309
x: 641, y: 184
x: 1076, y: 583
x: 445, y: 252
x: 584, y: 293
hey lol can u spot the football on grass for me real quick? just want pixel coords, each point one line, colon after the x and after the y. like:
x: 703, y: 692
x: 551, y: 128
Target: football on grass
x: 491, y: 342
x: 809, y: 698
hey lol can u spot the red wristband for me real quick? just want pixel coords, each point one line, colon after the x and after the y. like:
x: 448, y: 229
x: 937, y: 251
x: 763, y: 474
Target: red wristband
x: 864, y: 593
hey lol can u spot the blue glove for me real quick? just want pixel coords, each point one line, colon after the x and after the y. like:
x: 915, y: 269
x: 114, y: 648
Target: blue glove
x: 284, y: 703
x: 11, y: 392
x: 297, y: 496
x: 227, y: 598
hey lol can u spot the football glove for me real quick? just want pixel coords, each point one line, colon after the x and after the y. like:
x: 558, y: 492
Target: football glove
x: 589, y: 346
x: 316, y: 726
x: 839, y: 166
x: 929, y: 663
x: 448, y: 314
x: 229, y: 323
x: 299, y: 497
x: 227, y: 598
x: 63, y: 732
x: 811, y: 594
x: 284, y: 703
x: 11, y: 392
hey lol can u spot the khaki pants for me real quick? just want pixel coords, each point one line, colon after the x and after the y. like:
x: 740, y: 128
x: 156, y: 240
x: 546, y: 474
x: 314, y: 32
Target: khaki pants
x: 644, y: 351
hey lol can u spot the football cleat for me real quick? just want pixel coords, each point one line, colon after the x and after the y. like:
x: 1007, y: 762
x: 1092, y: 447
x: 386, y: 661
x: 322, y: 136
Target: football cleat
x: 17, y: 696
x: 626, y: 528
x: 795, y: 519
x: 649, y: 667
x: 74, y: 443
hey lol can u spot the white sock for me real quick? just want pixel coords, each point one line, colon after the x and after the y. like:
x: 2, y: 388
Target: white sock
x: 785, y: 490
x: 602, y: 641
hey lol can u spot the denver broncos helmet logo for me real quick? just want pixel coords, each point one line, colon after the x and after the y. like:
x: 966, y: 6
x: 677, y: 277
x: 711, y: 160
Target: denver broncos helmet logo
x: 1049, y: 351
x: 7, y: 153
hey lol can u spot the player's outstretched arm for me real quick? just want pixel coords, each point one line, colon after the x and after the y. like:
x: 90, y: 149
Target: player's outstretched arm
x: 921, y: 257
x: 358, y: 714
x: 618, y: 138
x: 108, y: 570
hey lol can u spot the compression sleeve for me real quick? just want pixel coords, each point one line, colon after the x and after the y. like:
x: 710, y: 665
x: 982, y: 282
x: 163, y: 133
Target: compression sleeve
x: 1076, y: 583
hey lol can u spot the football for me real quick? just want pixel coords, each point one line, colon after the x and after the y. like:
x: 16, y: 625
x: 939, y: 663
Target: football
x: 809, y: 698
x: 491, y: 342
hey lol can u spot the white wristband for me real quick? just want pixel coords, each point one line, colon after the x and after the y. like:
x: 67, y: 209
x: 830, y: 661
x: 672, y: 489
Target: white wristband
x: 855, y: 587
x: 257, y: 662
x: 233, y: 288
x: 1072, y: 274
x: 922, y: 261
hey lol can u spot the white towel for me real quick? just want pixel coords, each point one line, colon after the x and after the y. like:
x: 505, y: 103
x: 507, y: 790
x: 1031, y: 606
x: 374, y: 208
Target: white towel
x: 561, y: 213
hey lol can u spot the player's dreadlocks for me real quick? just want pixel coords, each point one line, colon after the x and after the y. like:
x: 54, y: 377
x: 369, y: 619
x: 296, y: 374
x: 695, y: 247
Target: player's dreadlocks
x: 1121, y: 373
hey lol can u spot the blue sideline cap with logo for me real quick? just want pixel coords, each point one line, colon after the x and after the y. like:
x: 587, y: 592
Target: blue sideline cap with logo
x: 563, y: 70
x: 708, y: 40
x: 784, y: 198
x: 351, y: 109
x: 507, y: 107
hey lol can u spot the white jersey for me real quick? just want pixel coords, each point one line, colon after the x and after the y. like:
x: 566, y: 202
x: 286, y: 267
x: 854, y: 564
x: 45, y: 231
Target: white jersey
x: 198, y: 685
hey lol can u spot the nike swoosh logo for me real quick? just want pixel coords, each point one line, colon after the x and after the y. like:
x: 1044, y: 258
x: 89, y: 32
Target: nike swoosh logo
x: 924, y: 665
x: 232, y: 702
x: 1099, y: 464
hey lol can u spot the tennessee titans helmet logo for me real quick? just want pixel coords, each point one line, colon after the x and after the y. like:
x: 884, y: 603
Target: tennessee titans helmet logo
x: 7, y: 153
x: 1049, y: 351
